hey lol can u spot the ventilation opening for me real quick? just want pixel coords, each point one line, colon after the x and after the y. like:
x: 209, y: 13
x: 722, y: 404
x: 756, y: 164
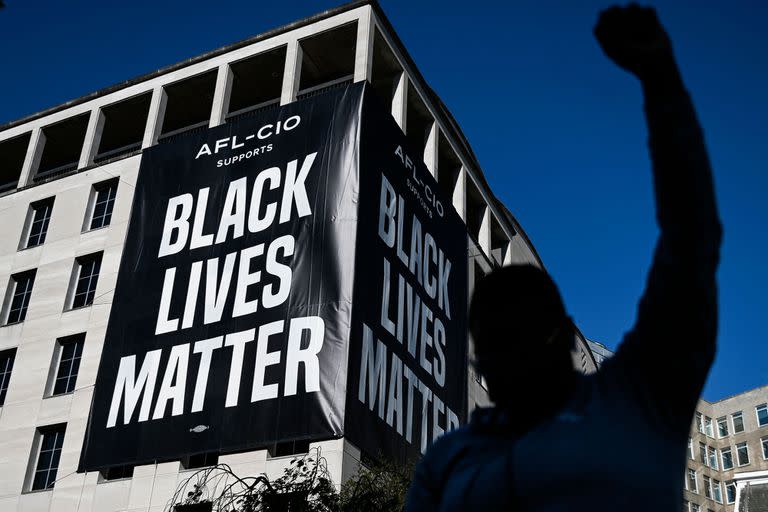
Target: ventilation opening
x: 448, y: 168
x: 257, y: 81
x: 499, y: 242
x: 475, y: 210
x: 288, y: 448
x: 328, y: 57
x: 12, y: 154
x: 418, y: 123
x: 124, y: 125
x: 385, y: 72
x: 62, y: 147
x: 188, y: 104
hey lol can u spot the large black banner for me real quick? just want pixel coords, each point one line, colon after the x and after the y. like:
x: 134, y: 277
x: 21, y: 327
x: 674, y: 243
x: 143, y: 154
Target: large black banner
x: 294, y: 275
x: 408, y: 344
x: 231, y: 314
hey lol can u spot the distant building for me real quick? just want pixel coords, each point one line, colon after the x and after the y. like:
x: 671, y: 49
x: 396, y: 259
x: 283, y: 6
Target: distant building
x: 728, y: 455
x: 599, y: 351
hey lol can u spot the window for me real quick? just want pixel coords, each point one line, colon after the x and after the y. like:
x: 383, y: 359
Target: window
x: 703, y: 454
x: 708, y: 426
x: 693, y: 485
x: 727, y: 457
x: 695, y: 508
x: 12, y: 154
x: 712, y: 457
x: 762, y: 415
x: 7, y: 357
x: 63, y: 144
x: 87, y: 275
x: 200, y: 460
x: 188, y: 104
x: 707, y: 487
x: 722, y: 426
x: 288, y: 448
x: 124, y: 124
x: 699, y: 423
x: 69, y: 351
x: 17, y: 296
x: 763, y: 441
x: 101, y: 203
x: 49, y: 440
x: 730, y: 492
x: 717, y: 491
x: 690, y: 449
x: 115, y: 473
x: 37, y: 222
x: 738, y: 422
x: 742, y: 453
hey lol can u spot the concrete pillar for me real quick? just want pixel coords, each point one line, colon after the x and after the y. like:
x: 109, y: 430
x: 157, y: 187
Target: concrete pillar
x: 364, y: 47
x: 92, y: 138
x: 507, y: 261
x: 292, y: 73
x: 400, y: 101
x: 221, y: 95
x: 155, y: 117
x: 460, y: 194
x: 430, y: 149
x: 32, y: 158
x: 484, y: 236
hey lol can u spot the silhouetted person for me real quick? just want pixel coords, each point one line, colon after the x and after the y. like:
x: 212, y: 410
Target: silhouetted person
x: 557, y: 440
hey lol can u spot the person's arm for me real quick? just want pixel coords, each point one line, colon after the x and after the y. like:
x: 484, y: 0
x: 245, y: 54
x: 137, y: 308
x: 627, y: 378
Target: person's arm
x: 665, y: 358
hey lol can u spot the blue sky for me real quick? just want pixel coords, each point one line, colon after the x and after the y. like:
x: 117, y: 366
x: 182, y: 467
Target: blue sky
x: 557, y: 128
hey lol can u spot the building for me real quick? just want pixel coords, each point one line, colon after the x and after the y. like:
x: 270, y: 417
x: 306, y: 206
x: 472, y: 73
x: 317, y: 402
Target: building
x: 728, y: 454
x: 68, y: 176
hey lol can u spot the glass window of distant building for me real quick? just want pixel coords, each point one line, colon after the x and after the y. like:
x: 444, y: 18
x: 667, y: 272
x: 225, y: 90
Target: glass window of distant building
x: 87, y: 270
x: 690, y: 449
x: 712, y: 457
x: 717, y: 492
x: 730, y: 492
x: 722, y: 426
x: 699, y: 423
x: 707, y: 487
x: 17, y: 296
x: 7, y: 357
x: 763, y: 442
x: 693, y: 484
x: 727, y: 457
x: 762, y: 415
x: 49, y: 440
x: 69, y: 350
x: 738, y: 422
x: 742, y: 453
x: 708, y: 426
x: 37, y: 222
x: 695, y: 508
x: 101, y: 204
x: 703, y: 454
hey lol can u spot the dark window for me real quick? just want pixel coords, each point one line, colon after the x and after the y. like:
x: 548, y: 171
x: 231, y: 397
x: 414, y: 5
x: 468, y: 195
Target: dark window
x: 124, y: 125
x: 104, y: 201
x: 7, y: 357
x: 88, y: 268
x: 742, y: 453
x: 288, y: 448
x: 12, y: 154
x: 41, y: 217
x: 328, y: 56
x: 257, y: 80
x: 70, y: 350
x: 116, y: 473
x: 22, y: 289
x: 51, y: 441
x: 762, y: 415
x: 730, y: 492
x: 188, y: 104
x: 200, y: 460
x: 62, y: 147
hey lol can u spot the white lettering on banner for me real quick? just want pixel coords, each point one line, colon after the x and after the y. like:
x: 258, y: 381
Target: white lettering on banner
x: 130, y: 388
x: 264, y: 132
x: 176, y: 227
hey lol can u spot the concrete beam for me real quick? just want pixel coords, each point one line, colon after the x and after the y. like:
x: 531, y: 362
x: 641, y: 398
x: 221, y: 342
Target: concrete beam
x: 364, y: 47
x: 291, y: 73
x: 32, y: 158
x: 460, y: 194
x: 484, y: 236
x: 92, y: 138
x: 221, y: 95
x: 400, y: 101
x: 155, y: 117
x: 430, y: 149
x: 507, y: 261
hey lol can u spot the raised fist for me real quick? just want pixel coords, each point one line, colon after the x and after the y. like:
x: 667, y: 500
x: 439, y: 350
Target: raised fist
x: 634, y: 39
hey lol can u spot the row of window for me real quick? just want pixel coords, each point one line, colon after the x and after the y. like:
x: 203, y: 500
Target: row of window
x: 82, y: 288
x: 98, y: 214
x: 49, y: 440
x: 708, y: 454
x: 712, y: 488
x: 704, y: 424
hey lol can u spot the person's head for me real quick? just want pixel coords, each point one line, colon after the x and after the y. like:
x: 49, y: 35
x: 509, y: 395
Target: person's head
x: 522, y: 335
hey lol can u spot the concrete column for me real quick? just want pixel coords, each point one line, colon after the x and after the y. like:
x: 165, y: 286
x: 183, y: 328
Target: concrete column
x: 430, y: 149
x: 155, y: 117
x: 292, y: 73
x: 507, y: 255
x: 92, y: 138
x: 400, y: 101
x: 32, y: 159
x: 460, y: 194
x: 221, y: 95
x: 484, y: 236
x: 364, y: 47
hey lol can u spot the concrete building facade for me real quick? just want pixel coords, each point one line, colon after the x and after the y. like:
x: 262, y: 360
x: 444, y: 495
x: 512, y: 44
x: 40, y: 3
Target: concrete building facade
x: 727, y: 452
x: 67, y: 176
